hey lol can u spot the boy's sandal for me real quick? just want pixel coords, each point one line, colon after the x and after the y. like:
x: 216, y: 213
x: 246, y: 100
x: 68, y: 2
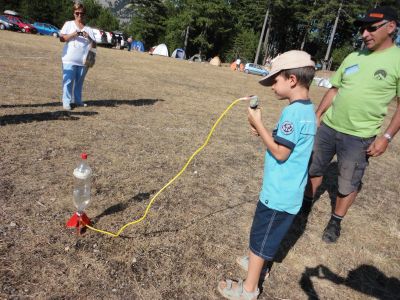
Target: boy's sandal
x: 243, y: 262
x: 236, y: 292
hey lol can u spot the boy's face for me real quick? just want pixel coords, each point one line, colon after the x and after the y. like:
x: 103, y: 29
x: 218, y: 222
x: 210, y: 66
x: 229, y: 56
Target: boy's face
x: 282, y: 87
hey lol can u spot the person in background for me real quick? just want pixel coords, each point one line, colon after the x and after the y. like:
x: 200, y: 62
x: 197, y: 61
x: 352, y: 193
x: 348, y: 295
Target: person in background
x: 78, y: 39
x: 129, y: 43
x: 353, y: 112
x: 288, y: 152
x: 238, y: 62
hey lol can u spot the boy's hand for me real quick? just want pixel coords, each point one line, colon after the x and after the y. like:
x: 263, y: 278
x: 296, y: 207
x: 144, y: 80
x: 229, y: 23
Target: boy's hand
x: 254, y: 131
x: 254, y: 117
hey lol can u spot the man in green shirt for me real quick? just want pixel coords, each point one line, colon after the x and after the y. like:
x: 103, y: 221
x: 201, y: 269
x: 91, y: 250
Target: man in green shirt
x: 353, y: 111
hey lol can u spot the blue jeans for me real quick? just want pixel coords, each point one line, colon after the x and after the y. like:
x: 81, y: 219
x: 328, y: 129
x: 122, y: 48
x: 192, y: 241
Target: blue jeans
x: 73, y: 77
x: 268, y: 230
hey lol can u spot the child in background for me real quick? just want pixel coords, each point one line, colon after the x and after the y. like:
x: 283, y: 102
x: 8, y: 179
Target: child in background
x: 285, y: 171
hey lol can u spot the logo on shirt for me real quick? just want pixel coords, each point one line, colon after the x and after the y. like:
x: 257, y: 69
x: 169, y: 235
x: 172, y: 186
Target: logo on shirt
x: 287, y: 127
x: 380, y: 74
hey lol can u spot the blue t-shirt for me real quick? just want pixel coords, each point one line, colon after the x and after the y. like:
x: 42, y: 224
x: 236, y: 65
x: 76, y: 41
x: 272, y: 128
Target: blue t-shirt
x: 284, y: 181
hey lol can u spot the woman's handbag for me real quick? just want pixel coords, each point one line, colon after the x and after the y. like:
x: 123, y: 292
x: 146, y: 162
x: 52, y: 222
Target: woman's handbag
x: 90, y: 58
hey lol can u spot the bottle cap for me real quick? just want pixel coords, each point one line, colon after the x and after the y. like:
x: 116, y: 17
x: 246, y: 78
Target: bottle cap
x: 84, y: 155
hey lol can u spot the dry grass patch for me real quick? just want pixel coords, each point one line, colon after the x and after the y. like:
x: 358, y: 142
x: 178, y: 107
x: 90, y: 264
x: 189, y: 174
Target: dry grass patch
x: 146, y: 116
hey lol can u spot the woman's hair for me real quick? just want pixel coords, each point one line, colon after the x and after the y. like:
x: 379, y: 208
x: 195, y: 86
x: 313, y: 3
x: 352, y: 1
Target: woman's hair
x: 304, y: 75
x: 77, y: 6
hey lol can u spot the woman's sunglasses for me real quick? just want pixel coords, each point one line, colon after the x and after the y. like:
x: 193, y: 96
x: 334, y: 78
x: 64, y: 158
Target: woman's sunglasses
x: 371, y: 28
x: 79, y: 13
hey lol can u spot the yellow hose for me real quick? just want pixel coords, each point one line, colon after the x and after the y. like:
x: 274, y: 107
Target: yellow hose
x: 173, y: 179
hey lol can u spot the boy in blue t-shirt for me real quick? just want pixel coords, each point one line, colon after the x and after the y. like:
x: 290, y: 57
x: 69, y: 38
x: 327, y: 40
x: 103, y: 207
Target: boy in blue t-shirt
x: 285, y: 172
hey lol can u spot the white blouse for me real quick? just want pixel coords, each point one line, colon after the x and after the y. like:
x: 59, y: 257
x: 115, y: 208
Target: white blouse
x: 76, y: 49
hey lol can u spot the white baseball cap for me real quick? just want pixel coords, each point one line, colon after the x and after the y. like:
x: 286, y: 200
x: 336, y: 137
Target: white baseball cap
x: 292, y: 59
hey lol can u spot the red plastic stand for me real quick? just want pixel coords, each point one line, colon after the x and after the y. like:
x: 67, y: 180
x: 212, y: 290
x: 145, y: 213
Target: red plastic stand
x: 78, y: 221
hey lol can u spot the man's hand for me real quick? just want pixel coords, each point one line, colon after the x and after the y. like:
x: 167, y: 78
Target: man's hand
x: 378, y: 147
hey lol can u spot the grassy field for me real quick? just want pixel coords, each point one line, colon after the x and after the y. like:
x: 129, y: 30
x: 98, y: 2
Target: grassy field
x: 146, y: 115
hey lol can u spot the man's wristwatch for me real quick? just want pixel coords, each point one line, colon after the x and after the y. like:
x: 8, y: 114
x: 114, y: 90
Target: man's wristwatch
x: 388, y: 137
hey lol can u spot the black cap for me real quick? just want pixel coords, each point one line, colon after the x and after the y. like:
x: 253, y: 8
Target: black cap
x: 378, y: 14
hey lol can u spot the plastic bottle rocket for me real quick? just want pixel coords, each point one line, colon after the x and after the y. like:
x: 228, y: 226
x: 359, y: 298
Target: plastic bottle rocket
x: 81, y: 194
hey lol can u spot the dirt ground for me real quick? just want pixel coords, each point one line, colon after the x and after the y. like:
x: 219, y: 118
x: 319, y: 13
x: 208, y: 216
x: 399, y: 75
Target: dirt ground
x: 146, y: 115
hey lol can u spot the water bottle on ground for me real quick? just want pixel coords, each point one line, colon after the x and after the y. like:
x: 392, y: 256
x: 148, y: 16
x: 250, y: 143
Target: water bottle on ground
x: 82, y: 178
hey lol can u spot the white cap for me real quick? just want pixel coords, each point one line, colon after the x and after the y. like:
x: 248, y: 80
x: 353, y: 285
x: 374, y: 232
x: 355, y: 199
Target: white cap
x: 292, y: 59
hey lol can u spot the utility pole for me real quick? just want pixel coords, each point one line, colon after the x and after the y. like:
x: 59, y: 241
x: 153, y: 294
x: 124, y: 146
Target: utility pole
x: 324, y: 64
x: 262, y: 35
x: 266, y: 40
x: 186, y: 38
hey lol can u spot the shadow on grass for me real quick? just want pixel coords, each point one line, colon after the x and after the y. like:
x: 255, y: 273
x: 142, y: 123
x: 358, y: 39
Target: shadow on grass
x: 365, y: 279
x: 46, y: 116
x: 329, y: 184
x: 98, y: 103
x: 123, y: 205
x: 195, y: 221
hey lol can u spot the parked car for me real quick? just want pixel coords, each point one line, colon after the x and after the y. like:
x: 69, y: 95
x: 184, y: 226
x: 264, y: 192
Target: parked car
x: 118, y: 40
x: 5, y: 24
x: 23, y: 25
x: 47, y: 29
x: 250, y: 68
x: 102, y: 37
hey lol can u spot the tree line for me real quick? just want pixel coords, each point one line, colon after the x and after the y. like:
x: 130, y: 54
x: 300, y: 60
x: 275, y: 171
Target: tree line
x: 232, y: 28
x: 227, y: 28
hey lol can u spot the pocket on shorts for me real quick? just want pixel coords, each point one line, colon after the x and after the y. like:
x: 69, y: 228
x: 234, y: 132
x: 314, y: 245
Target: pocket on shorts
x: 350, y: 176
x: 367, y: 142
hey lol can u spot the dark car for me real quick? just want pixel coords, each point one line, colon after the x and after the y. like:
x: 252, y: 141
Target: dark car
x: 5, y: 24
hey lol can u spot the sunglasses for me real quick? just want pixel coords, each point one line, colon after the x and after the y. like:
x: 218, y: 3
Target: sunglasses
x: 79, y: 13
x: 371, y: 28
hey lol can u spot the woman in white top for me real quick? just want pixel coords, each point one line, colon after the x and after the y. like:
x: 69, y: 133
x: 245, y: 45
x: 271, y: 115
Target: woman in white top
x: 78, y: 39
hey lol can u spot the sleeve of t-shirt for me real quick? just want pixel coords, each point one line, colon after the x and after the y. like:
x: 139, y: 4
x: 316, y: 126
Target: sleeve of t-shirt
x: 66, y: 29
x: 336, y: 79
x: 288, y: 130
x: 90, y: 32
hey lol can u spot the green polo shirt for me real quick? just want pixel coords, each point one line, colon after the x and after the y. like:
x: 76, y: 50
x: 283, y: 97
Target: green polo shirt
x: 367, y: 82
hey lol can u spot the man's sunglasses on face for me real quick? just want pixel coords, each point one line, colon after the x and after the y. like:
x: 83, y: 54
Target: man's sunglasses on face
x: 79, y: 13
x: 371, y: 28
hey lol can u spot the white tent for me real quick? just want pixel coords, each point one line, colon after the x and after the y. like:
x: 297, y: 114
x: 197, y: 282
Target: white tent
x: 320, y: 81
x: 179, y: 53
x: 160, y: 50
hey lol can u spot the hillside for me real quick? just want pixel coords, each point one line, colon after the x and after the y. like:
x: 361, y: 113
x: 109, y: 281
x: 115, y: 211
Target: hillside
x: 118, y: 7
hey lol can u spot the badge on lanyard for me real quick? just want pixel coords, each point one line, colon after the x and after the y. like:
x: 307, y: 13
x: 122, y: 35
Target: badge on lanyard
x: 352, y: 69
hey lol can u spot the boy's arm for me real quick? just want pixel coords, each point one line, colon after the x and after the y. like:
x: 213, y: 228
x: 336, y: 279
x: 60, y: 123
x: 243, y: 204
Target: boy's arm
x: 325, y: 103
x: 279, y: 151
